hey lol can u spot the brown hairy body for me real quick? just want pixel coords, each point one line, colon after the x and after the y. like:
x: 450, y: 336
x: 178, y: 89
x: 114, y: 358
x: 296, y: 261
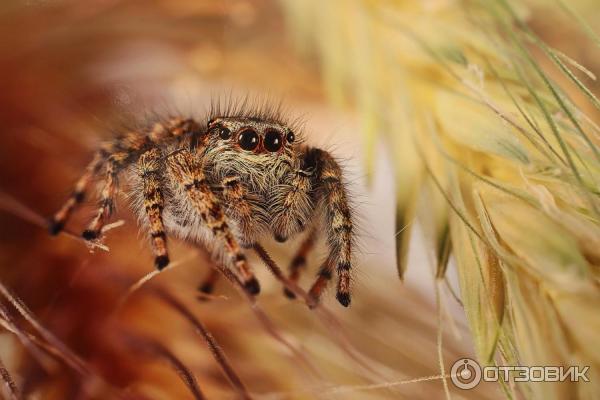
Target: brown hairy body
x: 224, y: 184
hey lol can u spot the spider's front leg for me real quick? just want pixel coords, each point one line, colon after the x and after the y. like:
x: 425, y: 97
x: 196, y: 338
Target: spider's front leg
x: 187, y: 173
x: 237, y: 198
x: 331, y: 193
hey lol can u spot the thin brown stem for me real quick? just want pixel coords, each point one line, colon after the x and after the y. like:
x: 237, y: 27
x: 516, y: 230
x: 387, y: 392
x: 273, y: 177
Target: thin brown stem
x: 327, y: 317
x: 262, y: 317
x: 11, y: 388
x: 155, y: 349
x: 18, y: 209
x: 213, y: 346
x: 68, y: 356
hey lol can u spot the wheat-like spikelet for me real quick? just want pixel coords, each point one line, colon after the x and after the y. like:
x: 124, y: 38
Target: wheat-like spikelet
x: 500, y: 164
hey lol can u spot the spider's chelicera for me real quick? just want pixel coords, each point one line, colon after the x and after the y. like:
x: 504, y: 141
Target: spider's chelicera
x: 224, y: 185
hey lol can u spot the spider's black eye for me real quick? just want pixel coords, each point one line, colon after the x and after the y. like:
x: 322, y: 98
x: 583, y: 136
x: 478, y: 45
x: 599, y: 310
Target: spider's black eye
x: 290, y: 137
x: 273, y: 140
x: 248, y: 139
x: 224, y: 133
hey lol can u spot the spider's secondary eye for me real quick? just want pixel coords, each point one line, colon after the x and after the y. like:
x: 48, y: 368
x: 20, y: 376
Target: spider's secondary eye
x: 272, y: 140
x: 248, y: 139
x: 224, y: 133
x: 290, y: 137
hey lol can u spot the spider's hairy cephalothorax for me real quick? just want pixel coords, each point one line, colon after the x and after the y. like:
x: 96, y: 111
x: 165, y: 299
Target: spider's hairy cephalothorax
x: 224, y: 184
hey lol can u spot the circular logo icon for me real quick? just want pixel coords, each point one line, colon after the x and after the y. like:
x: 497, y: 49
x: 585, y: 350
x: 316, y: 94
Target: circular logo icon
x: 465, y: 373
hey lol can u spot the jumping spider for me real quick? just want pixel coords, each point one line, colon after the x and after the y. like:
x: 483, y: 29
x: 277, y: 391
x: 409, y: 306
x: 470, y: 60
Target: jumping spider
x: 224, y: 184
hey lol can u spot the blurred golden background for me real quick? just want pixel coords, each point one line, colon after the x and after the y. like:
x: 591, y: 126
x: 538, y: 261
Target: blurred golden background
x: 74, y: 72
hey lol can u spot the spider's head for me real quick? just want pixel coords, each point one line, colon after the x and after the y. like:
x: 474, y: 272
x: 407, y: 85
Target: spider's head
x: 260, y: 151
x: 252, y: 135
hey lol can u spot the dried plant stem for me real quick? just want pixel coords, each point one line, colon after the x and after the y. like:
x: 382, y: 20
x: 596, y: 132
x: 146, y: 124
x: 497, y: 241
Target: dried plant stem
x: 276, y: 271
x: 11, y: 388
x: 327, y: 317
x: 346, y: 389
x: 156, y: 349
x: 18, y: 209
x: 34, y: 344
x: 145, y: 279
x: 72, y: 359
x: 262, y: 317
x: 213, y: 346
x: 26, y: 339
x: 439, y: 338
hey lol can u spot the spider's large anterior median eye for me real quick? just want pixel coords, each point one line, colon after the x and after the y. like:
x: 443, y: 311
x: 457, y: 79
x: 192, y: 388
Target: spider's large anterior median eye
x: 248, y: 139
x: 290, y: 137
x: 273, y: 140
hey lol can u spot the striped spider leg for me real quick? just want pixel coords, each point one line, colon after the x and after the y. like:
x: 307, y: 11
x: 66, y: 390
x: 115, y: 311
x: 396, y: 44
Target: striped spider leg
x: 331, y: 193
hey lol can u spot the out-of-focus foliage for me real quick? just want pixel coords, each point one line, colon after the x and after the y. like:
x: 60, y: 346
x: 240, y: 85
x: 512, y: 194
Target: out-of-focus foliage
x: 490, y: 151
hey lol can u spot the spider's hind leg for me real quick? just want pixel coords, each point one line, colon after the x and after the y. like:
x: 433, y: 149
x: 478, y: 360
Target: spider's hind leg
x: 298, y: 263
x: 323, y: 277
x: 123, y: 151
x: 57, y: 222
x: 208, y: 284
x: 115, y: 155
x: 107, y: 205
x: 112, y: 155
